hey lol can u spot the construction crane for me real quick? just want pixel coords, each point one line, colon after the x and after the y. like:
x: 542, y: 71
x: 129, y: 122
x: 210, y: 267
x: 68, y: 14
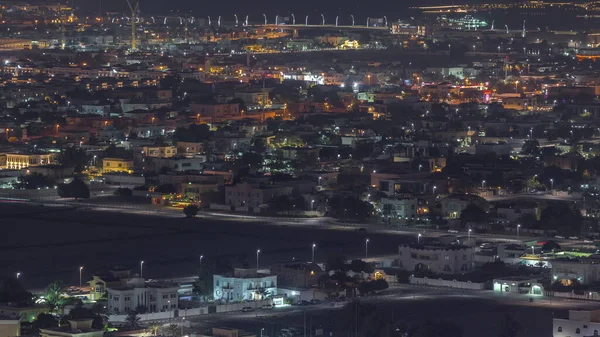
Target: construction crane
x: 134, y: 9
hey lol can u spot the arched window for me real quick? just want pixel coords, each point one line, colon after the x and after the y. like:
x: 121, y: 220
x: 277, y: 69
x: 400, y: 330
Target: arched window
x: 595, y: 332
x: 559, y: 329
x: 577, y: 330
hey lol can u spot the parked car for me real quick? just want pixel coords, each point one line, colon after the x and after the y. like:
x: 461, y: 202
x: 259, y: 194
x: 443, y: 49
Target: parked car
x: 362, y: 229
x: 452, y: 231
x: 303, y: 302
x: 267, y: 306
x: 314, y: 302
x: 295, y: 331
x: 588, y: 241
x: 247, y: 309
x: 559, y: 237
x: 573, y: 238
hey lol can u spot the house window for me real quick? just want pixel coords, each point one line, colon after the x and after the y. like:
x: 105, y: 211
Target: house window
x: 577, y: 330
x: 559, y: 329
x: 595, y: 332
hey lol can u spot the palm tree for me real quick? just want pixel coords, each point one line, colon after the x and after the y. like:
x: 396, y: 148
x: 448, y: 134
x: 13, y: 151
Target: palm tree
x: 154, y: 329
x: 263, y: 293
x: 387, y: 211
x: 53, y: 295
x: 133, y: 320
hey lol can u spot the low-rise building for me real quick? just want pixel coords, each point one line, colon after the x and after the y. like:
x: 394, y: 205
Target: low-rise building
x: 439, y: 259
x: 10, y: 327
x: 117, y: 165
x: 244, y: 284
x: 454, y: 204
x: 24, y: 160
x: 578, y: 323
x: 154, y: 296
x: 403, y: 208
x: 583, y: 270
x: 253, y: 195
x: 25, y: 314
x: 518, y: 285
x: 76, y: 328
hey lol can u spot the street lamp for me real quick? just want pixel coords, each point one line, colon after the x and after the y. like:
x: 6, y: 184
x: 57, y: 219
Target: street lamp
x: 80, y: 270
x: 533, y: 250
x: 434, y: 187
x: 366, y: 248
x: 312, y: 204
x: 551, y: 184
x: 201, y: 257
x: 518, y: 228
x: 483, y: 184
x: 18, y: 274
x: 257, y: 253
x: 469, y: 234
x: 261, y: 332
x: 314, y: 245
x: 419, y: 238
x: 141, y: 269
x: 320, y: 180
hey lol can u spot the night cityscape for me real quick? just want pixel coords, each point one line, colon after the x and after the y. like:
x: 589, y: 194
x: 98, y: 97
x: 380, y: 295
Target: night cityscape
x: 306, y: 169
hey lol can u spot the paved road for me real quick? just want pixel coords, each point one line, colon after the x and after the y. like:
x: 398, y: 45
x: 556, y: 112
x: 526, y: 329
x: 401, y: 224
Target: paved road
x: 418, y: 302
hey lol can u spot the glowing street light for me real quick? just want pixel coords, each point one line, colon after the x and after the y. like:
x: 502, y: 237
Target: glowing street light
x: 312, y: 204
x: 419, y: 238
x: 483, y: 184
x: 265, y: 16
x: 366, y: 248
x: 18, y: 274
x: 551, y: 183
x: 80, y: 270
x: 518, y: 228
x: 141, y: 269
x: 257, y: 254
x: 352, y: 16
x: 201, y: 257
x: 314, y: 245
x: 469, y: 234
x: 323, y: 18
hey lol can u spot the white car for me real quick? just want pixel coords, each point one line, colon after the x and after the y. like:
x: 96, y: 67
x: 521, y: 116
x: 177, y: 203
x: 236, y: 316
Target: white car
x: 588, y: 241
x: 573, y: 238
x: 559, y: 237
x: 452, y: 231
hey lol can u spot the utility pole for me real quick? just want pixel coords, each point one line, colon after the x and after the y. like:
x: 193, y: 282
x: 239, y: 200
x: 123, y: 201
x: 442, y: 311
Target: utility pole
x: 134, y: 9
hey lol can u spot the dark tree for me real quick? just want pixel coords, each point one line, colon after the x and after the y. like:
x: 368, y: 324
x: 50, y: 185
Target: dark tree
x: 350, y: 207
x: 191, y: 211
x: 563, y: 219
x: 75, y: 157
x: 34, y: 181
x: 194, y: 133
x: 44, y: 321
x: 472, y: 213
x: 76, y: 189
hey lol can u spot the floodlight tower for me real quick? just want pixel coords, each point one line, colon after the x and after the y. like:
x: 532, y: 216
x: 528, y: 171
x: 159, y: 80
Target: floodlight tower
x: 134, y: 10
